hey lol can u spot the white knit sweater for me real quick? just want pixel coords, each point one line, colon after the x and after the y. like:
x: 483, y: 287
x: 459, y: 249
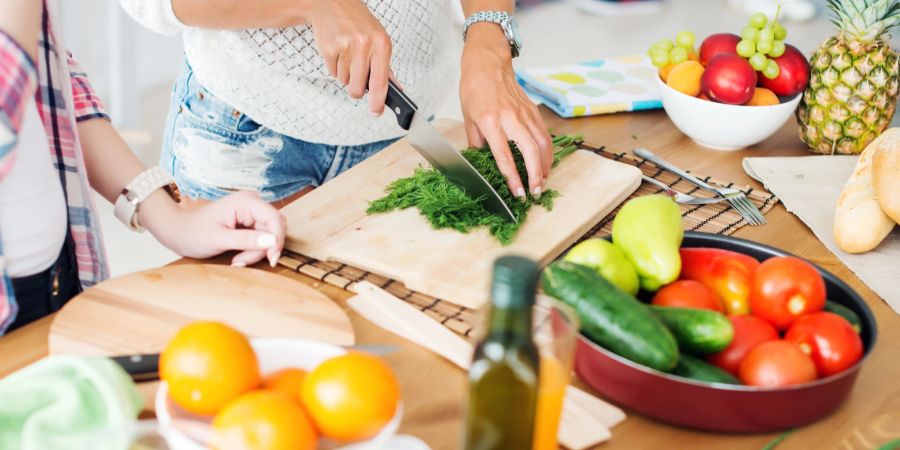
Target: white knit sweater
x: 277, y: 77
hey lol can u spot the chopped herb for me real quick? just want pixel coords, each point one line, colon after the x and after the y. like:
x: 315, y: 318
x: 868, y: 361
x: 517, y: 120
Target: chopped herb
x: 446, y: 206
x: 634, y: 137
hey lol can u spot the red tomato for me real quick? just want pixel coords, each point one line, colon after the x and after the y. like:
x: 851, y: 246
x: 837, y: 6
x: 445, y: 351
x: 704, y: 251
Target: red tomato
x: 688, y: 294
x: 829, y: 339
x: 785, y: 288
x: 776, y: 364
x: 749, y: 331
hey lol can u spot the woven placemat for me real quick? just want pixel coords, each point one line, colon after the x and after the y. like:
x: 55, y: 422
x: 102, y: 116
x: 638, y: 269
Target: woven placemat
x: 718, y: 218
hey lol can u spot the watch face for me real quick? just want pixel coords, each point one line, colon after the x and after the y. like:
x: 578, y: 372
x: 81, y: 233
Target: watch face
x: 514, y: 31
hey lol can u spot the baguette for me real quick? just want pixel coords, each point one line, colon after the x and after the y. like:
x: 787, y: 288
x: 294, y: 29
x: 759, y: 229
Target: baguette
x: 886, y: 173
x: 859, y: 223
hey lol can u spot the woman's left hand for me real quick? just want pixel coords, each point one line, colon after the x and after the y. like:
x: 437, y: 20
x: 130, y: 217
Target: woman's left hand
x: 496, y: 110
x: 240, y: 221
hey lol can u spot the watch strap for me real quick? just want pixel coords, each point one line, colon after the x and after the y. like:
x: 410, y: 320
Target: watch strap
x: 501, y: 18
x: 129, y: 201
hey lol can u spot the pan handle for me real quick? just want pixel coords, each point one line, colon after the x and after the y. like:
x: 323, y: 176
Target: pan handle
x: 400, y: 104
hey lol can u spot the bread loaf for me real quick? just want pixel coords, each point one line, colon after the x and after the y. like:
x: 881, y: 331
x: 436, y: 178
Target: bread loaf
x: 859, y: 223
x: 886, y: 173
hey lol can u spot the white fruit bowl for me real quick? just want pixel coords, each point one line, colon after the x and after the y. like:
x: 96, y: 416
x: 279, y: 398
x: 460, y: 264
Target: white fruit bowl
x: 185, y: 431
x: 724, y: 127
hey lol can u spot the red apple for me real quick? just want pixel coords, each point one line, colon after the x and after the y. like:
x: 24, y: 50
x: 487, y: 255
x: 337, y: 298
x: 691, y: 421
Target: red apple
x: 793, y: 74
x: 716, y: 44
x: 728, y: 79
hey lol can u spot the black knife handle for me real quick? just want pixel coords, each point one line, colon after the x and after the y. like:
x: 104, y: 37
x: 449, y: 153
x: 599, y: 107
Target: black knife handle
x: 140, y: 367
x: 400, y: 104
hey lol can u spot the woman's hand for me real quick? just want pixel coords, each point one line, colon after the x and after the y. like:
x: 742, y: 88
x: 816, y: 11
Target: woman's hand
x: 241, y: 221
x: 496, y: 110
x: 355, y: 47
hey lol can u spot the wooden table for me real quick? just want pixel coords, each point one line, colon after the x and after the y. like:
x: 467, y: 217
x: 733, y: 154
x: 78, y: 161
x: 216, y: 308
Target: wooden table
x: 433, y: 389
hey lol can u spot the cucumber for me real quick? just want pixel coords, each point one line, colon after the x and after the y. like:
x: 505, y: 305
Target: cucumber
x: 610, y: 317
x: 695, y: 369
x: 698, y: 331
x: 845, y: 312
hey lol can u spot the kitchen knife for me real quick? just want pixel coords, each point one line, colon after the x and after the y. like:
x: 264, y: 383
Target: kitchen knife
x: 145, y: 367
x: 441, y: 155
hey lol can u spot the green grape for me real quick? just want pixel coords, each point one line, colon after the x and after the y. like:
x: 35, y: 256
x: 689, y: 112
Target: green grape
x: 777, y: 49
x: 678, y: 55
x: 758, y: 20
x: 766, y: 34
x: 685, y: 39
x: 665, y: 44
x: 779, y: 31
x: 749, y: 33
x: 771, y: 70
x: 758, y: 61
x: 764, y: 47
x: 659, y: 57
x: 746, y: 48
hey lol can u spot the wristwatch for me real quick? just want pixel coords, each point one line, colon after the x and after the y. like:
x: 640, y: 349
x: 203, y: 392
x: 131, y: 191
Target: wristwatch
x: 507, y: 23
x: 129, y: 201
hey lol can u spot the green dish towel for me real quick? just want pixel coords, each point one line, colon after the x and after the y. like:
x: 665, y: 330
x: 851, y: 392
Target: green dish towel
x: 67, y: 402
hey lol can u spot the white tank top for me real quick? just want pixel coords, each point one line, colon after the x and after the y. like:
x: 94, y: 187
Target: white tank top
x: 278, y: 78
x: 32, y: 203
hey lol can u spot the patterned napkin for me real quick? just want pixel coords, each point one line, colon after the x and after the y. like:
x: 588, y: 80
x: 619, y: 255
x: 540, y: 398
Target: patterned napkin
x: 602, y: 86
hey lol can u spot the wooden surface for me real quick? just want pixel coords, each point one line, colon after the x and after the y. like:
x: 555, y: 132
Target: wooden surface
x: 433, y: 389
x: 331, y: 223
x: 140, y: 312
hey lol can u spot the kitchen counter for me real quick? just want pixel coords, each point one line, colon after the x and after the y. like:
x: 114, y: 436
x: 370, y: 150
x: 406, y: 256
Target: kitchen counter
x: 433, y: 389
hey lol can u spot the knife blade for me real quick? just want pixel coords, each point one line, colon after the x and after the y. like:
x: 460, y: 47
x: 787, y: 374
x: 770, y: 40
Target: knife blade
x: 145, y: 367
x: 441, y: 155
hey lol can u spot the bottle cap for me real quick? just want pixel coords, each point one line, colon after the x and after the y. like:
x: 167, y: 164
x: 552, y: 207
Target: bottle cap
x: 515, y: 282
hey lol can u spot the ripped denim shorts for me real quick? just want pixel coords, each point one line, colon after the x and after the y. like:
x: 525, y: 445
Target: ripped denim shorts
x: 212, y: 150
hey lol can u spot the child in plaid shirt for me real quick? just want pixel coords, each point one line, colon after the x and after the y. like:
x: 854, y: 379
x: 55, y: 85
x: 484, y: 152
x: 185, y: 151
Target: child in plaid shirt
x: 47, y: 108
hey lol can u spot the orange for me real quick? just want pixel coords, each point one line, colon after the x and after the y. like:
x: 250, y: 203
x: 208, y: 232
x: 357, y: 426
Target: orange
x: 287, y: 381
x: 763, y: 97
x: 664, y: 72
x: 263, y: 420
x: 685, y: 78
x: 351, y: 397
x: 206, y: 365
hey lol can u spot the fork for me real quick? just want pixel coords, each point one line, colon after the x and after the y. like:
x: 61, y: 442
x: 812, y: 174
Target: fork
x: 735, y: 197
x: 684, y: 199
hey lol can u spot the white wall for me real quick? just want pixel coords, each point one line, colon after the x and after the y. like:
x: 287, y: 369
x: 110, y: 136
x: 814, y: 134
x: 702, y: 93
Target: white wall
x: 122, y: 59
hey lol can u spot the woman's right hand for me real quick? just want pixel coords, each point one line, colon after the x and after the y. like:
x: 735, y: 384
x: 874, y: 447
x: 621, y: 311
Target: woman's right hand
x: 355, y: 47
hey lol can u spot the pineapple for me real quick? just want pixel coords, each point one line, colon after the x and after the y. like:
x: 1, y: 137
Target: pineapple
x: 852, y: 91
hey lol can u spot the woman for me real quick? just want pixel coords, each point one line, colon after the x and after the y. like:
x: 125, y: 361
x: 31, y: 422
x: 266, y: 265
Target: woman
x: 269, y: 97
x: 55, y: 144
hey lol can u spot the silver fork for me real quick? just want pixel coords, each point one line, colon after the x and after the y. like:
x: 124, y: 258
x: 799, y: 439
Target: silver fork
x: 682, y: 198
x: 735, y: 197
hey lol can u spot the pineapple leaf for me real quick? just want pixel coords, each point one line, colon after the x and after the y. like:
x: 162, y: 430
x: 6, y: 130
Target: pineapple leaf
x: 865, y: 20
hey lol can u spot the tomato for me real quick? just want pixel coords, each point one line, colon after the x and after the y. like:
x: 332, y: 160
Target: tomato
x: 727, y: 273
x: 785, y: 288
x: 776, y: 364
x: 749, y: 331
x: 688, y: 294
x: 829, y: 339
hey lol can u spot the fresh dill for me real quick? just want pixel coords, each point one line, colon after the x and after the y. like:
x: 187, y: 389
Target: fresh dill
x: 446, y: 206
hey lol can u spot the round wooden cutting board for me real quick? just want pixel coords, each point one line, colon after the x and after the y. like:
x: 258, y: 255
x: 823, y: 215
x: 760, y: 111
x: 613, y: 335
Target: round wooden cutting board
x: 140, y: 312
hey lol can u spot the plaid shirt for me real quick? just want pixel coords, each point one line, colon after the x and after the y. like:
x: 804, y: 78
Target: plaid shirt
x: 64, y: 97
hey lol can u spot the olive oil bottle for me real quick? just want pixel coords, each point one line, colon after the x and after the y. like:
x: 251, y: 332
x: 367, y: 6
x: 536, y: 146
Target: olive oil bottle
x: 503, y: 378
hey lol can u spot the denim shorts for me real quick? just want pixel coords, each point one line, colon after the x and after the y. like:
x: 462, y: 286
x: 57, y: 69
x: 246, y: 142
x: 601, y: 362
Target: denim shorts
x: 212, y: 150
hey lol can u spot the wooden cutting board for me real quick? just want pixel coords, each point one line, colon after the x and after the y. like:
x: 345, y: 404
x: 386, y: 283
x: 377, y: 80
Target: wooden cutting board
x: 331, y: 223
x: 140, y: 312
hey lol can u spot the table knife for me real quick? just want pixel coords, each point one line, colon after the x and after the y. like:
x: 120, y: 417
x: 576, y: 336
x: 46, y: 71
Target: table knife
x: 441, y: 155
x: 145, y: 367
